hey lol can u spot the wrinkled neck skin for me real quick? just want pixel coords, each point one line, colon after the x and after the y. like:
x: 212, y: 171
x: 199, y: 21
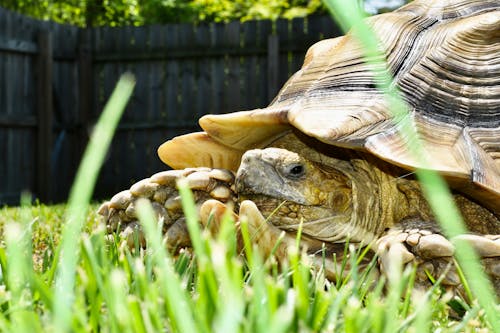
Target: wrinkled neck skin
x: 377, y: 202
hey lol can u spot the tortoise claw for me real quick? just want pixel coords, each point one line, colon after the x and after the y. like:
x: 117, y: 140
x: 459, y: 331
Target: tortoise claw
x: 434, y: 246
x: 485, y: 246
x: 121, y: 200
x: 430, y: 252
x: 418, y: 243
x: 211, y: 214
x: 144, y: 188
x: 269, y: 239
x: 103, y: 209
x: 392, y: 253
x: 133, y: 234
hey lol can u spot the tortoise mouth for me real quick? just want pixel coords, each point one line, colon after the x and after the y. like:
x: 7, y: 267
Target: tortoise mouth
x: 318, y: 223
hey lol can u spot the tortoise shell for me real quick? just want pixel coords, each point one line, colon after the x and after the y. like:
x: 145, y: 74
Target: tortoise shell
x: 445, y: 59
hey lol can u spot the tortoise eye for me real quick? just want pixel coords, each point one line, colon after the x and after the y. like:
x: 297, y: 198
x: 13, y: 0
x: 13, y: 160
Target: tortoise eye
x: 295, y: 171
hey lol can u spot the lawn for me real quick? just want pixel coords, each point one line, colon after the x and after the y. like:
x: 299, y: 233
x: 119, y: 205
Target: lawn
x: 211, y: 288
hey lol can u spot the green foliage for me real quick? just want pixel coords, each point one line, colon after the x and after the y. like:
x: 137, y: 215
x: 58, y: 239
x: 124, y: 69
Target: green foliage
x: 80, y: 195
x: 110, y: 12
x: 167, y: 11
x: 37, y: 9
x: 139, y: 12
x: 226, y: 10
x: 80, y: 12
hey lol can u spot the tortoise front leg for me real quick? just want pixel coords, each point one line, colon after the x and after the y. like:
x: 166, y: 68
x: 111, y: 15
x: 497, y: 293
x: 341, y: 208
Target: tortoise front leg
x: 433, y: 254
x: 119, y: 214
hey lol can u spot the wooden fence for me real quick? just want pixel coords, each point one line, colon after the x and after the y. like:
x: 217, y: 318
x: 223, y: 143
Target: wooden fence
x: 57, y: 78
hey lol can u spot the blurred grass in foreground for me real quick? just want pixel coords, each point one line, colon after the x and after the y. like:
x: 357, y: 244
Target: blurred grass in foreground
x: 85, y: 283
x: 213, y: 288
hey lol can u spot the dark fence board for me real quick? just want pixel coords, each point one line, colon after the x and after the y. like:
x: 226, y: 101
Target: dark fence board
x: 45, y: 115
x: 282, y: 28
x: 182, y: 72
x: 204, y: 84
x: 232, y: 38
x: 265, y: 29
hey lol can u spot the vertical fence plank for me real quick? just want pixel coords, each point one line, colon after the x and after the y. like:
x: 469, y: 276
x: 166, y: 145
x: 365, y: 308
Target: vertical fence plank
x: 283, y: 27
x: 298, y: 34
x: 204, y: 79
x: 187, y: 76
x: 315, y: 28
x: 158, y: 105
x: 9, y: 70
x: 218, y: 76
x: 273, y: 55
x: 85, y: 81
x: 4, y: 130
x: 157, y: 42
x: 172, y: 77
x: 329, y: 28
x: 3, y: 74
x: 44, y: 104
x: 232, y: 39
x: 264, y: 29
x: 250, y: 61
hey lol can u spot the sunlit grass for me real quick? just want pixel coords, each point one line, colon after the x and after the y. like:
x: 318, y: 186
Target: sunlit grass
x: 120, y: 290
x: 80, y: 196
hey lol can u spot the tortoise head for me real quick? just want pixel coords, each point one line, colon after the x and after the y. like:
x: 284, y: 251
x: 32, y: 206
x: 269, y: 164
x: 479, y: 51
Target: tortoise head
x: 290, y: 189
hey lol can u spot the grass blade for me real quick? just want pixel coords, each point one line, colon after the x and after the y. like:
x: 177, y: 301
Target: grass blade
x: 79, y: 198
x: 178, y: 302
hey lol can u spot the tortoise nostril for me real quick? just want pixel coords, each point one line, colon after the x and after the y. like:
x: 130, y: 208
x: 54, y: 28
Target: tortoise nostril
x: 247, y: 159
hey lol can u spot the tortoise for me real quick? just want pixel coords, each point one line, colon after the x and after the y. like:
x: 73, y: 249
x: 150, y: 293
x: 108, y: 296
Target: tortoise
x: 327, y: 153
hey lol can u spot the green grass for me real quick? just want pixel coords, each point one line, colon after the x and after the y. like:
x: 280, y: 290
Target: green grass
x: 60, y: 273
x: 214, y: 288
